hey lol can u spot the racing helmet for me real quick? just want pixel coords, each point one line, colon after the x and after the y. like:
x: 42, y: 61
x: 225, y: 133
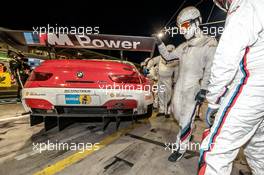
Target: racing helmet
x: 170, y: 47
x: 223, y: 4
x: 188, y: 15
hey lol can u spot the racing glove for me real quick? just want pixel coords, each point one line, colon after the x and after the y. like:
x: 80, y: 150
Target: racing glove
x: 145, y: 71
x: 200, y: 96
x: 210, y: 114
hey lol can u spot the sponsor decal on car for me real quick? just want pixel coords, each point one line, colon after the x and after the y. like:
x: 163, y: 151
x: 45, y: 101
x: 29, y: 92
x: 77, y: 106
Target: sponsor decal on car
x: 78, y: 99
x: 76, y: 91
x: 112, y: 94
x: 34, y: 94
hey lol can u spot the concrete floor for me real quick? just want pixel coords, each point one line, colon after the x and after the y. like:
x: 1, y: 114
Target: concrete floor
x: 10, y: 110
x: 125, y: 155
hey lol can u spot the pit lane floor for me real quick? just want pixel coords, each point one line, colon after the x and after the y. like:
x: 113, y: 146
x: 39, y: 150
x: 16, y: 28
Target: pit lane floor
x: 136, y: 148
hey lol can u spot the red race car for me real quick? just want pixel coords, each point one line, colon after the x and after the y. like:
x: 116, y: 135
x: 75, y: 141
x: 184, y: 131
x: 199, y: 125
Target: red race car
x: 58, y: 90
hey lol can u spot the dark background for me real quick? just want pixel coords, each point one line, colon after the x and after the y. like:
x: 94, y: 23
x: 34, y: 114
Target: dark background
x: 139, y: 18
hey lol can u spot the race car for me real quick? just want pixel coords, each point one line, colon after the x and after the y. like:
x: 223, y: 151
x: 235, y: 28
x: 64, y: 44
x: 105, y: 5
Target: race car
x: 59, y: 90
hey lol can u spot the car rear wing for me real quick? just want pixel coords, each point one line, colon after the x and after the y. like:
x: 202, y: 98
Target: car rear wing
x: 27, y: 39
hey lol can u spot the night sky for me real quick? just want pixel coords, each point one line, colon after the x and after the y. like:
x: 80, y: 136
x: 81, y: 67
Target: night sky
x: 139, y: 18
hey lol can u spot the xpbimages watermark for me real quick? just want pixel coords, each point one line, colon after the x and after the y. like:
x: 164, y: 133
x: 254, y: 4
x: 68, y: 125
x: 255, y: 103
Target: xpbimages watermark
x: 182, y: 147
x: 191, y: 146
x: 211, y: 31
x: 128, y: 87
x: 63, y: 146
x: 56, y: 29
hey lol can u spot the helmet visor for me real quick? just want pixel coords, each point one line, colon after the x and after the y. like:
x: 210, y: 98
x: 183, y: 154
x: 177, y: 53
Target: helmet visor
x: 185, y: 25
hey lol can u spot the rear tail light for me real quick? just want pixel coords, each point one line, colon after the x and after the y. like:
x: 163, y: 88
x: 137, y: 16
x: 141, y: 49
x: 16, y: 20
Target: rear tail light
x: 40, y: 76
x: 121, y: 104
x: 39, y: 104
x: 132, y: 79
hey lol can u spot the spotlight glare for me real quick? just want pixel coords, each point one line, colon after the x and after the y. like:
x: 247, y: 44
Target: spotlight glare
x: 160, y: 35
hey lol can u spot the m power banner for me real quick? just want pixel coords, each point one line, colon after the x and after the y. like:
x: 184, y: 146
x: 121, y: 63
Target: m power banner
x: 107, y: 42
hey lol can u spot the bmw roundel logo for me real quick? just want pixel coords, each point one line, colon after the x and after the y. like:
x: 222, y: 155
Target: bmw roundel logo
x: 80, y: 74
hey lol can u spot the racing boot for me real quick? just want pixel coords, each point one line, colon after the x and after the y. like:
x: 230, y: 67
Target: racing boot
x: 167, y: 116
x: 175, y: 156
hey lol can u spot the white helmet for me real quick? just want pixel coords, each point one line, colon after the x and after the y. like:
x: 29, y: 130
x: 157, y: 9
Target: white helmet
x: 188, y: 21
x: 190, y: 13
x: 170, y: 47
x: 145, y: 62
x: 223, y: 4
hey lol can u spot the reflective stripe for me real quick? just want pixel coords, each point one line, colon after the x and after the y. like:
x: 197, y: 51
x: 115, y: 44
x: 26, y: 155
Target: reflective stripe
x: 231, y: 103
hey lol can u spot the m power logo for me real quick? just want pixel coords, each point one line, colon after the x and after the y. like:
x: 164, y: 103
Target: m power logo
x: 109, y: 42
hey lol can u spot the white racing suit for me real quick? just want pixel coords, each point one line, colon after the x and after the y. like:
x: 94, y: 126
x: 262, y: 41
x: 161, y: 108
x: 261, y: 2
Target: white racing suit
x: 238, y: 77
x: 195, y: 58
x: 153, y: 75
x: 165, y: 80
